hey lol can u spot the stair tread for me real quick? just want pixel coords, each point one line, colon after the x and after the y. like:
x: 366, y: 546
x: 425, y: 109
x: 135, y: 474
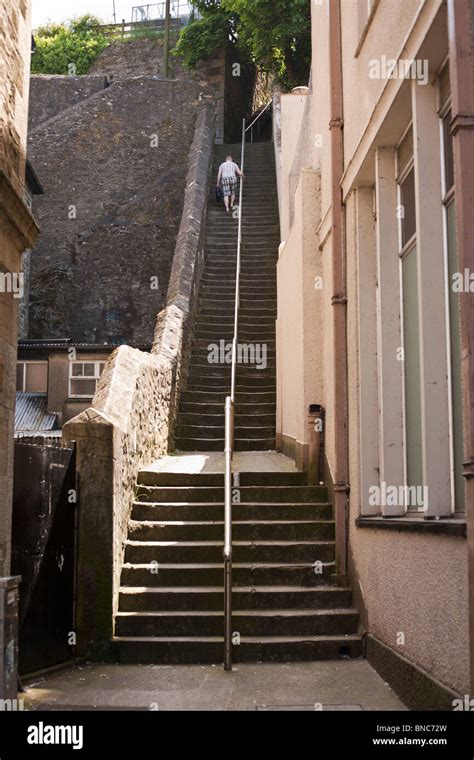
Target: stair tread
x: 235, y: 589
x: 243, y: 639
x: 235, y: 506
x: 289, y: 613
x: 241, y: 522
x: 278, y: 542
x: 218, y: 565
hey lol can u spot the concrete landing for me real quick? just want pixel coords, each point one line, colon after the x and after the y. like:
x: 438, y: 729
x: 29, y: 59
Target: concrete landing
x: 213, y: 461
x: 326, y: 685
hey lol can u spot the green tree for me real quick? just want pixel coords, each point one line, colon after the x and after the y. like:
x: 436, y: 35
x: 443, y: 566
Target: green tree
x: 78, y: 41
x: 275, y: 34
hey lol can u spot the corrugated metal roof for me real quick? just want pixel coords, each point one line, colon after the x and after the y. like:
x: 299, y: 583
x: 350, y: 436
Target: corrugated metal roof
x: 31, y: 413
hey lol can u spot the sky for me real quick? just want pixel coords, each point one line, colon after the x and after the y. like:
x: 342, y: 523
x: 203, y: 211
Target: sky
x: 59, y: 10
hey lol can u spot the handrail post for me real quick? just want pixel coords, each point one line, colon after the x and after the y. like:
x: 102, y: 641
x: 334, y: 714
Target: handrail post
x: 228, y: 451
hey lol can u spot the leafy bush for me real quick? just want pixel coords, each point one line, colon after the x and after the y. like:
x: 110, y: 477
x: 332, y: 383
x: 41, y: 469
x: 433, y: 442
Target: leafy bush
x: 78, y: 41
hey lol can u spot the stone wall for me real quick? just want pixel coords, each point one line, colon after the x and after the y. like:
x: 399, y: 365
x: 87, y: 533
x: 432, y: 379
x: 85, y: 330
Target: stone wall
x: 113, y: 167
x: 49, y: 95
x: 14, y: 66
x: 18, y: 232
x: 130, y: 420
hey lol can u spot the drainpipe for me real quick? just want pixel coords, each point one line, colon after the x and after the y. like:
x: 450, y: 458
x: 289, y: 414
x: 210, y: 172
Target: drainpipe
x: 460, y: 28
x: 339, y: 296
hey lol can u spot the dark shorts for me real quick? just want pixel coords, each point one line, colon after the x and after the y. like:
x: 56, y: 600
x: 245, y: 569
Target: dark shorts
x: 228, y: 186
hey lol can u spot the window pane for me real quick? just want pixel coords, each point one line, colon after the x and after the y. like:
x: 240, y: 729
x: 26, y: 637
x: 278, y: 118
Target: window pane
x: 405, y: 152
x: 82, y: 387
x: 448, y: 153
x: 408, y: 202
x: 19, y: 377
x: 411, y: 342
x: 444, y: 86
x: 455, y: 334
x: 89, y: 369
x: 76, y: 370
x: 36, y: 380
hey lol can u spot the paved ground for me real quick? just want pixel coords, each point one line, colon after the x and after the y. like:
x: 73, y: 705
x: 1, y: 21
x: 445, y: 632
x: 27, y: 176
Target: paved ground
x: 333, y: 685
x: 213, y: 461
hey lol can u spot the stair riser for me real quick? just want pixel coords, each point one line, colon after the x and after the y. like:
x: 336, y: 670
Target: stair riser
x: 183, y: 512
x: 150, y: 478
x: 301, y: 625
x: 294, y: 552
x: 194, y: 408
x: 204, y: 444
x: 316, y: 599
x: 212, y: 652
x: 240, y: 532
x: 248, y: 494
x: 219, y: 397
x: 241, y: 576
x: 217, y: 420
x: 241, y: 431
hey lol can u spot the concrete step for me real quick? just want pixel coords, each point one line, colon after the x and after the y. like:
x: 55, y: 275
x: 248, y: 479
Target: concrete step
x: 251, y: 530
x: 191, y: 511
x: 186, y: 574
x: 150, y: 598
x: 243, y: 551
x: 195, y: 418
x: 218, y: 376
x: 210, y: 309
x: 259, y: 335
x: 194, y: 649
x: 240, y: 431
x: 282, y: 494
x: 218, y: 397
x: 217, y: 444
x: 200, y: 346
x: 246, y: 622
x: 216, y: 479
x: 212, y: 409
x: 186, y: 432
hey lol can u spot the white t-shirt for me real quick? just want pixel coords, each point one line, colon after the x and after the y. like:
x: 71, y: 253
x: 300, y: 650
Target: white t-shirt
x: 228, y: 170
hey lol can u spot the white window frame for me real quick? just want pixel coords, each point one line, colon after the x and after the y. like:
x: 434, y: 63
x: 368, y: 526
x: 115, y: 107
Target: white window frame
x: 447, y: 197
x: 98, y: 369
x: 403, y: 251
x: 24, y: 364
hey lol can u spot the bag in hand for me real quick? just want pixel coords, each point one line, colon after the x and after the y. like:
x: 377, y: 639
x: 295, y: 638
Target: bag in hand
x: 219, y: 193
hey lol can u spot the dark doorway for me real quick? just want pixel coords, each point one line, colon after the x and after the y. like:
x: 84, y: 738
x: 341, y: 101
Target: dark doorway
x: 43, y: 541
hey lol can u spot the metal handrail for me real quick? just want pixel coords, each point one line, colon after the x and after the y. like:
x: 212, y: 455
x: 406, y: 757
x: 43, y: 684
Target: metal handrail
x: 229, y: 442
x: 229, y: 431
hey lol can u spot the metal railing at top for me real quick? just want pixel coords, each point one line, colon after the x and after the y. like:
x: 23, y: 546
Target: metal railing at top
x: 179, y: 9
x: 229, y: 428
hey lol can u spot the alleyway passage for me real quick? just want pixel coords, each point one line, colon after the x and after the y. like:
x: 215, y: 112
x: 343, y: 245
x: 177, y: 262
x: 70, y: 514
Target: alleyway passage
x: 335, y: 685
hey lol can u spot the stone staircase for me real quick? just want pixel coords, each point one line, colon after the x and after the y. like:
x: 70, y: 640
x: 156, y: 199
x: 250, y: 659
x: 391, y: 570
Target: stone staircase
x: 171, y: 598
x: 284, y: 606
x: 201, y: 410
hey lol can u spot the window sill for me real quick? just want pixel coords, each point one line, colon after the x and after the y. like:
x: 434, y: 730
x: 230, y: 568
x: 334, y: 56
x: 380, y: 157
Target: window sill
x: 452, y: 526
